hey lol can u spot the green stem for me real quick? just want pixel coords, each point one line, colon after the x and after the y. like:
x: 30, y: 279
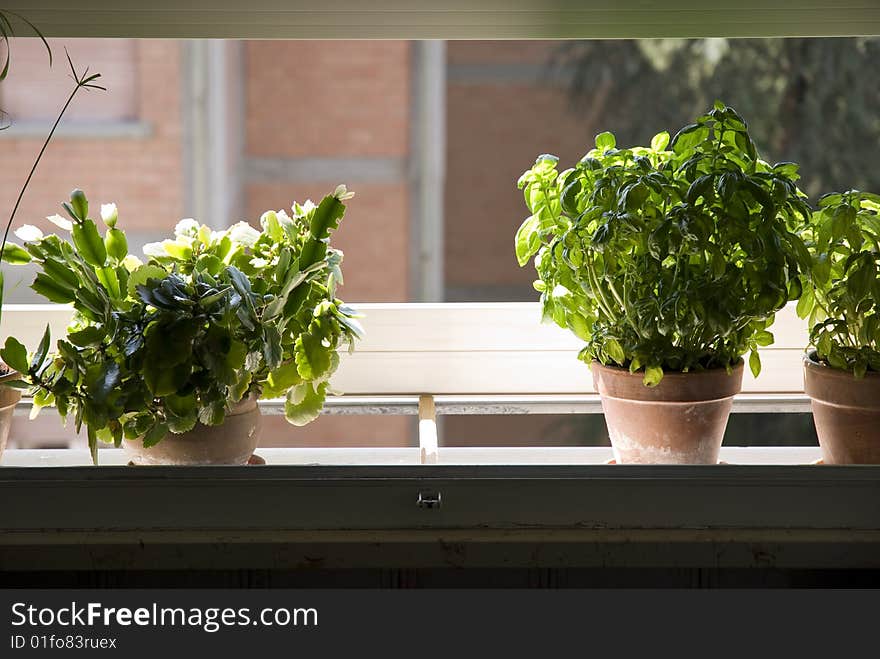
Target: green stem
x: 36, y: 164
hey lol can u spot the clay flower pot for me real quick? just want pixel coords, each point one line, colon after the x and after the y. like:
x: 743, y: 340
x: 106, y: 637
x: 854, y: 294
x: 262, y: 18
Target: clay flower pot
x: 231, y: 443
x: 680, y: 421
x: 846, y: 411
x: 9, y: 398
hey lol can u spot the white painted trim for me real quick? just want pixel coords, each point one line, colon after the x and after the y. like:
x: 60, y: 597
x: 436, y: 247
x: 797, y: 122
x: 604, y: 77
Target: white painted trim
x: 461, y: 349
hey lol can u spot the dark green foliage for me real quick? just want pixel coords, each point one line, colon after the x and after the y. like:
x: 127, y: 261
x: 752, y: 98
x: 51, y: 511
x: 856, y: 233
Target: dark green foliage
x: 669, y: 257
x: 211, y: 318
x: 841, y: 293
x: 808, y: 100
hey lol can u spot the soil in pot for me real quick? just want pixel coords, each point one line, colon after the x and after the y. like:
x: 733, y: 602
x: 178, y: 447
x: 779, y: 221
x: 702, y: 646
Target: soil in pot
x: 231, y: 443
x: 846, y: 411
x: 9, y: 398
x: 679, y: 421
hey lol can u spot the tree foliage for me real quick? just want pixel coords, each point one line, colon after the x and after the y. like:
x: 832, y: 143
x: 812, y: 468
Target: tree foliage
x: 811, y: 101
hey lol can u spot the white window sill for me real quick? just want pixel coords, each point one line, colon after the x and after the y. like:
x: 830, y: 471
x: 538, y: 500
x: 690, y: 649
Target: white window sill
x: 459, y: 456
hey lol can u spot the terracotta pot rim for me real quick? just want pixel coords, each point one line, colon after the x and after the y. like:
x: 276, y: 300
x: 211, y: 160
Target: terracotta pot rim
x: 826, y: 370
x: 706, y: 372
x: 707, y: 386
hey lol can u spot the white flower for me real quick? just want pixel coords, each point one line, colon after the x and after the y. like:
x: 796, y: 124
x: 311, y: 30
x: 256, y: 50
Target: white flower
x: 155, y: 249
x: 187, y: 227
x: 342, y: 193
x: 61, y: 222
x: 109, y: 214
x: 244, y: 233
x: 29, y: 233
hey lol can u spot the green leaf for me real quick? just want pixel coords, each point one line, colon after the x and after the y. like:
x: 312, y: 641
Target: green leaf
x: 162, y: 380
x: 615, y: 351
x: 272, y: 352
x: 326, y: 219
x: 210, y: 263
x: 605, y: 141
x: 806, y: 302
x: 304, y: 403
x: 282, y: 379
x: 141, y: 275
x: 15, y: 254
x: 89, y: 244
x: 660, y: 141
x: 52, y: 290
x: 755, y: 363
x: 110, y: 281
x: 101, y: 379
x: 93, y: 443
x: 88, y: 336
x: 653, y: 376
x: 155, y: 434
x: 763, y: 338
x: 41, y: 352
x: 61, y: 273
x: 14, y: 355
x: 214, y: 413
x: 312, y: 357
x: 527, y: 240
x: 180, y: 406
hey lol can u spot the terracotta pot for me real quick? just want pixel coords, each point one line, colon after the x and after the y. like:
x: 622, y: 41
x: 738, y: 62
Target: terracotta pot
x: 680, y: 421
x: 846, y: 411
x: 9, y: 398
x: 231, y: 443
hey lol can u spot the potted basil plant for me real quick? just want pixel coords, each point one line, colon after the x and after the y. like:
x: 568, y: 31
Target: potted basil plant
x: 169, y: 357
x: 841, y: 299
x: 669, y: 262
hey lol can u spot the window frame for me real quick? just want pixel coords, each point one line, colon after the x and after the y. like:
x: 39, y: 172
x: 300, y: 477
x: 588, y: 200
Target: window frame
x: 570, y: 515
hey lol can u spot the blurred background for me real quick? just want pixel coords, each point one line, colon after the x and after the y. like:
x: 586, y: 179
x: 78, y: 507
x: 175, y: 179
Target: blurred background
x: 432, y: 136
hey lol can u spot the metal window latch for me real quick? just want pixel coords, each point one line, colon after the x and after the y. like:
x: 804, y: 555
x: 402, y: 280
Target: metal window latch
x: 429, y: 500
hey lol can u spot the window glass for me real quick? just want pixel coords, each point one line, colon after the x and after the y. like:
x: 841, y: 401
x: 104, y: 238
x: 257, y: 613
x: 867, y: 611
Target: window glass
x: 223, y: 130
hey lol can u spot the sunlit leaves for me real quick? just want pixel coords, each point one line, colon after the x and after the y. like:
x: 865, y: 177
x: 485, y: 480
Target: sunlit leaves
x: 14, y: 355
x: 212, y: 317
x: 668, y: 257
x: 840, y: 298
x: 89, y: 244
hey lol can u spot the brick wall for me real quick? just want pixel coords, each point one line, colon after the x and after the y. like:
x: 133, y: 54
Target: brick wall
x: 502, y: 112
x: 342, y: 102
x: 140, y: 174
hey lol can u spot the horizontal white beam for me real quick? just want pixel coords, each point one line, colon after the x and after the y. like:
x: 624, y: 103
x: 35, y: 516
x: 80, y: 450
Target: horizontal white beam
x: 450, y: 19
x: 476, y: 349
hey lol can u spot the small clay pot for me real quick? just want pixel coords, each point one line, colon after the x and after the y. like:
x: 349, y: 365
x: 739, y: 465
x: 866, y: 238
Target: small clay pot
x: 9, y: 398
x: 679, y: 421
x: 231, y: 443
x: 846, y: 411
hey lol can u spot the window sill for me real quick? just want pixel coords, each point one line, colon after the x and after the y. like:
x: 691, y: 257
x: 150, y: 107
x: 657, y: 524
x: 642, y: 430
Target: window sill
x: 284, y: 516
